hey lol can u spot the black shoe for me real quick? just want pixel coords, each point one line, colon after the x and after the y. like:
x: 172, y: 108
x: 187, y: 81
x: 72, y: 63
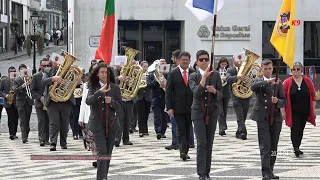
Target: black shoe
x: 297, y: 152
x: 140, y: 135
x: 24, y: 141
x: 202, y: 177
x: 274, y: 176
x: 94, y: 164
x: 131, y: 131
x: 42, y: 143
x: 175, y: 147
x: 75, y: 138
x: 208, y: 177
x: 145, y: 134
x: 191, y: 145
x: 127, y: 143
x: 64, y: 147
x: 11, y: 137
x: 243, y: 136
x: 16, y: 137
x: 158, y: 136
x: 117, y: 143
x: 80, y: 137
x: 53, y: 148
x: 222, y: 132
x: 46, y: 143
x: 184, y: 156
x: 163, y: 136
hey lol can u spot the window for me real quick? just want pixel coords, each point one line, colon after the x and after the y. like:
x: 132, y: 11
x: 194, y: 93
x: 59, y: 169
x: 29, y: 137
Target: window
x: 312, y: 44
x: 268, y: 51
x: 128, y: 35
x: 5, y: 7
x: 1, y: 6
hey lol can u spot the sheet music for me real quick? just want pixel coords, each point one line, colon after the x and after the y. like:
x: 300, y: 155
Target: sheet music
x: 57, y: 58
x: 164, y: 68
x: 120, y: 60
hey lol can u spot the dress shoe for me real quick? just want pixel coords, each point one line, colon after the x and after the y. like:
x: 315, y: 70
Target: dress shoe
x: 202, y: 177
x: 41, y: 143
x: 80, y: 137
x: 127, y: 143
x: 222, y: 132
x: 140, y: 134
x: 64, y: 147
x: 117, y: 143
x: 16, y: 137
x: 145, y: 134
x: 243, y: 136
x: 175, y: 147
x: 163, y: 136
x: 12, y: 137
x: 274, y: 176
x: 297, y: 152
x: 158, y: 136
x: 94, y: 164
x: 183, y: 156
x: 208, y: 177
x: 24, y: 141
x: 53, y: 148
x: 191, y: 145
x: 46, y: 143
x: 75, y: 138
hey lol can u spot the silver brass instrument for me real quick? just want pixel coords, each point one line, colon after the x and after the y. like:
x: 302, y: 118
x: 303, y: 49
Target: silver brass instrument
x: 27, y: 78
x: 159, y: 77
x: 223, y: 76
x: 250, y: 70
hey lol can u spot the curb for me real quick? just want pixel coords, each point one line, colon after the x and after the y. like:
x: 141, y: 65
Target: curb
x: 24, y: 53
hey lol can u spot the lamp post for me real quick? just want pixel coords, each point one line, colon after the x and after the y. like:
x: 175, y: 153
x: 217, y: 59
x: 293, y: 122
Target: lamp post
x: 34, y: 18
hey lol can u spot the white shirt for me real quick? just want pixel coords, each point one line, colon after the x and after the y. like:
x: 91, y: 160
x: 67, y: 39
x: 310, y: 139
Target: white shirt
x: 201, y: 71
x: 181, y: 70
x: 84, y: 108
x: 101, y: 84
x: 266, y: 79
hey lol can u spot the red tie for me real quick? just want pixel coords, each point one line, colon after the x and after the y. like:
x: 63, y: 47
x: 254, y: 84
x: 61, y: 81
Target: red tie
x: 185, y: 77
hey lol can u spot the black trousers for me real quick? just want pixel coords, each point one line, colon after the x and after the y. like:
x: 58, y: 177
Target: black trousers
x: 124, y: 116
x: 134, y: 116
x: 241, y: 106
x: 75, y: 115
x: 298, y: 124
x: 160, y: 118
x: 268, y: 137
x: 204, y: 135
x: 24, y: 114
x: 183, y: 130
x: 13, y: 117
x: 43, y: 124
x: 222, y: 119
x: 143, y: 113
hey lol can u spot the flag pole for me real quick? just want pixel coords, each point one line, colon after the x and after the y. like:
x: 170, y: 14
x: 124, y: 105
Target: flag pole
x: 279, y: 60
x: 215, y: 9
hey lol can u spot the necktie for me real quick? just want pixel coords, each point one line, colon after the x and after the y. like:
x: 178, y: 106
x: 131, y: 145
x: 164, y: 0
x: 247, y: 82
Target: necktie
x: 185, y: 77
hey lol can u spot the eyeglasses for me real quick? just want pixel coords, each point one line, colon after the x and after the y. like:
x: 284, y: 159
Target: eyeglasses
x: 298, y: 69
x: 45, y: 65
x: 204, y: 59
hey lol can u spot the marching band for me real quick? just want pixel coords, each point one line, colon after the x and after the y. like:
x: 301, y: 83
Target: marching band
x: 99, y: 105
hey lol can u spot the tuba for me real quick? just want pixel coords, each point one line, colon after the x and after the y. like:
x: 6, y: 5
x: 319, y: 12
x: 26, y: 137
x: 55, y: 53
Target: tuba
x: 223, y: 76
x: 133, y: 73
x: 250, y: 70
x: 71, y: 75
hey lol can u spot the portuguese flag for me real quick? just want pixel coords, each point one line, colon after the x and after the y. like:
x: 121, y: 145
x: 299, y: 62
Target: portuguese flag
x: 104, y: 50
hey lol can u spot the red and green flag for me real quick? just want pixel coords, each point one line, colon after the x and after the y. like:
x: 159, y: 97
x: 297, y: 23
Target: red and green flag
x: 104, y: 50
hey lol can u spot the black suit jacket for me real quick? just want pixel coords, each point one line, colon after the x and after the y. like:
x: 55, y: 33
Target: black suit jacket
x: 37, y: 89
x: 94, y: 98
x: 21, y: 94
x: 158, y: 94
x: 264, y: 91
x: 178, y: 94
x: 145, y: 93
x: 5, y: 85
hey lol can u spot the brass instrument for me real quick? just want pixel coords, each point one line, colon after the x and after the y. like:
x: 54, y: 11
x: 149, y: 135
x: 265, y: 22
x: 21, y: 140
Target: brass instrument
x: 250, y: 70
x: 11, y: 96
x: 159, y: 77
x: 133, y: 73
x: 26, y: 75
x: 223, y: 76
x: 12, y: 77
x: 70, y: 74
x: 44, y: 108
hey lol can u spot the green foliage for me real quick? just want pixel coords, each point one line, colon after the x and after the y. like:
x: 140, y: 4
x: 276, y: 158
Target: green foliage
x: 28, y: 44
x: 40, y: 44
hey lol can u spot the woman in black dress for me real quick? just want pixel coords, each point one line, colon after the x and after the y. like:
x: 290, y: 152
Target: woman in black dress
x: 104, y: 99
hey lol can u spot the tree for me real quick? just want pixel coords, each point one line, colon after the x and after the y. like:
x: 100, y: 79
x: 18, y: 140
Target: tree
x: 39, y: 39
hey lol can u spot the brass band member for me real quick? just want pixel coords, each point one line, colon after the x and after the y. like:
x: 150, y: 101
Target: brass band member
x: 268, y: 134
x: 101, y: 96
x: 58, y: 112
x: 241, y: 106
x: 224, y: 98
x: 23, y: 102
x: 37, y: 90
x: 6, y: 87
x: 201, y: 90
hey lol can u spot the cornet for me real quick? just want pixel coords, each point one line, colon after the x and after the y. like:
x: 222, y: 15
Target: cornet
x: 26, y: 74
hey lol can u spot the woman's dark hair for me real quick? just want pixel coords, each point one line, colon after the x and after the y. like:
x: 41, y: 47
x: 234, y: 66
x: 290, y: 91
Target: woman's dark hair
x: 222, y: 60
x: 94, y: 80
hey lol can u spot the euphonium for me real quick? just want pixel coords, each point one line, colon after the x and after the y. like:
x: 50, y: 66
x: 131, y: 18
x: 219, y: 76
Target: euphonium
x: 159, y: 77
x: 71, y: 75
x: 223, y: 76
x: 250, y: 70
x: 133, y: 74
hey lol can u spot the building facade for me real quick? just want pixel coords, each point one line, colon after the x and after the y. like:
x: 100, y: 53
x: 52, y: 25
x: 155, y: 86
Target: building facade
x: 4, y: 25
x: 156, y: 28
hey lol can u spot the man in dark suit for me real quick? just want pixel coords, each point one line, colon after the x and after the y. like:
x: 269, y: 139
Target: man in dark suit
x: 241, y: 106
x: 179, y: 100
x: 37, y: 90
x: 5, y: 87
x: 58, y: 112
x: 24, y: 102
x: 158, y: 104
x: 268, y: 130
x: 144, y: 102
x: 204, y: 128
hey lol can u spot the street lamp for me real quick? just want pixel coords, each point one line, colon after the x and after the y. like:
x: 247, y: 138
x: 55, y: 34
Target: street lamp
x: 34, y: 37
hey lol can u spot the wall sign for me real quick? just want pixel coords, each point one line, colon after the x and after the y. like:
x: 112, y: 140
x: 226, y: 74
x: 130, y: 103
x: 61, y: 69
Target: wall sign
x: 225, y: 33
x: 94, y: 41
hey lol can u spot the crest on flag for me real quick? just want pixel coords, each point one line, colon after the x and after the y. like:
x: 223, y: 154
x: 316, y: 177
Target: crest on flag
x: 283, y: 24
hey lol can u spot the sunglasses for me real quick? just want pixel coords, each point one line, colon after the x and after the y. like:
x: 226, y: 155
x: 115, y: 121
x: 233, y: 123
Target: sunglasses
x: 204, y: 59
x: 298, y: 69
x: 45, y: 65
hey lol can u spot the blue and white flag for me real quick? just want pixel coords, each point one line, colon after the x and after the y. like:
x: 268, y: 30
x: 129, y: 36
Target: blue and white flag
x: 203, y: 9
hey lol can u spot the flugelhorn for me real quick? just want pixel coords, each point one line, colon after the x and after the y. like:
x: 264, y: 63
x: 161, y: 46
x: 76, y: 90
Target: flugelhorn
x: 27, y: 78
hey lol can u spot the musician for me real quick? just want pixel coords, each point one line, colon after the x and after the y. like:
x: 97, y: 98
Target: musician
x: 37, y: 90
x: 58, y: 112
x: 99, y: 96
x: 5, y: 87
x: 158, y: 103
x: 24, y: 102
x: 268, y: 129
x: 241, y: 105
x: 179, y: 100
x: 224, y: 98
x: 174, y: 142
x: 301, y: 106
